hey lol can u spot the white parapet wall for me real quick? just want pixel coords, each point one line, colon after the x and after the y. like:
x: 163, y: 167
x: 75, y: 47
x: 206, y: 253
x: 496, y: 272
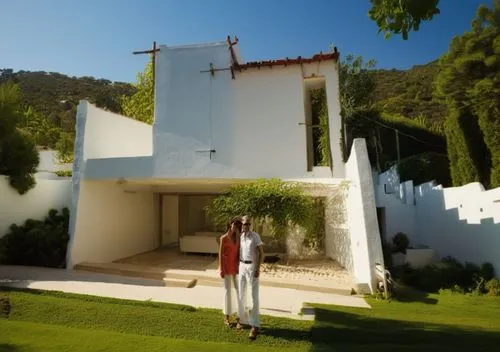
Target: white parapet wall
x: 362, y: 218
x: 462, y: 222
x: 109, y: 135
x: 35, y: 204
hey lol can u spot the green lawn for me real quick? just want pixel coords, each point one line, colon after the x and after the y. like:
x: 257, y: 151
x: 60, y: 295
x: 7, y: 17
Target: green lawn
x: 53, y: 321
x: 27, y: 336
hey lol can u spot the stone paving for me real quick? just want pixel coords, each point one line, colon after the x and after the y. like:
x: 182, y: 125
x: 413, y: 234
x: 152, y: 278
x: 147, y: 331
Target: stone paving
x: 283, y: 302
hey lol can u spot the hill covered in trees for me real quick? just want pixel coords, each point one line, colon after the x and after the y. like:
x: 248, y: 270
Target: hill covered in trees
x: 409, y: 92
x: 55, y: 96
x: 440, y: 115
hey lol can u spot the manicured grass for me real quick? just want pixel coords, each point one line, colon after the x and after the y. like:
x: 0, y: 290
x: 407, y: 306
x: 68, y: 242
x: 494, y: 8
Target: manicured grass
x: 21, y: 336
x: 149, y: 319
x: 417, y: 322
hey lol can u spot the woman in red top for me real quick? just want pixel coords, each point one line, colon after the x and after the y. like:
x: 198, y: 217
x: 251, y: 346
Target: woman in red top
x: 229, y: 262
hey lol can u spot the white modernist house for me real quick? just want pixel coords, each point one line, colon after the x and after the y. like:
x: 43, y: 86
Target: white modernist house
x: 218, y: 121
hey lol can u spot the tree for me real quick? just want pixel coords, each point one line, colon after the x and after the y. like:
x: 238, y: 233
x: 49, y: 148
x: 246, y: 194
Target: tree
x: 43, y: 131
x: 469, y: 82
x: 18, y: 155
x: 357, y: 84
x: 64, y: 147
x: 402, y: 16
x: 463, y: 139
x: 140, y: 105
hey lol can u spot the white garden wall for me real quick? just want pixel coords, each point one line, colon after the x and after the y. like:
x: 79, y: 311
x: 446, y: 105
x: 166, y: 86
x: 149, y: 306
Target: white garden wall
x: 362, y: 217
x: 463, y: 222
x: 35, y: 204
x: 49, y: 164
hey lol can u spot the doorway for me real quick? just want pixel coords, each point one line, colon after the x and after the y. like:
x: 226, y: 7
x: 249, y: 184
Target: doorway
x: 381, y: 223
x: 182, y: 214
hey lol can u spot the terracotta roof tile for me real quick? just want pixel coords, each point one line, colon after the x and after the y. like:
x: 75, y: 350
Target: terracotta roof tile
x: 287, y: 62
x: 334, y: 56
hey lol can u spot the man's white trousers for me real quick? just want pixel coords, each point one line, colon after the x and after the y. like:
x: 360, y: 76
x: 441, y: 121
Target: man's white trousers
x: 247, y: 280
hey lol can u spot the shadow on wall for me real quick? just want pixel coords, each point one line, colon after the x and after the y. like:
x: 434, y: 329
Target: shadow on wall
x: 462, y: 222
x: 466, y: 231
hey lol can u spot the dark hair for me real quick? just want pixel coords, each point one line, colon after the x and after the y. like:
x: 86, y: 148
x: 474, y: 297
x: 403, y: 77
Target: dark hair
x: 235, y: 220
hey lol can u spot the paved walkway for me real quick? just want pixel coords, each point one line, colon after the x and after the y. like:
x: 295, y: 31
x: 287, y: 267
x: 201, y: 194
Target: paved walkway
x: 273, y: 301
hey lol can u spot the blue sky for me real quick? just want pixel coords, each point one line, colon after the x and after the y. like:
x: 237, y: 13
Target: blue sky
x: 97, y: 37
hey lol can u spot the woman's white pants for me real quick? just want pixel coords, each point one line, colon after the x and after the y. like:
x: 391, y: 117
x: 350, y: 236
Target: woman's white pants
x: 230, y: 295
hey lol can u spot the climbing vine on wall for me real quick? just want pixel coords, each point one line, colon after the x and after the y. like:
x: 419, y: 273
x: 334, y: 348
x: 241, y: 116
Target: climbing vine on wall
x: 282, y: 204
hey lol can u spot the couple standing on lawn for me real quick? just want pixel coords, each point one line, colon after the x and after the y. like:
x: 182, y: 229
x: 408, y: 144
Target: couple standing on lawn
x: 241, y: 254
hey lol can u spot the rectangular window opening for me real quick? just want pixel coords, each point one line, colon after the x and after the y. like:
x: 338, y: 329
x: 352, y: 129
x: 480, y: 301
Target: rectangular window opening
x: 316, y: 122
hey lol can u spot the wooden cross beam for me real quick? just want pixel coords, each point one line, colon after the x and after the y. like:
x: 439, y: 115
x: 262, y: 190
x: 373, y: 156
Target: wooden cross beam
x: 212, y: 70
x: 310, y: 125
x: 211, y: 151
x: 152, y: 51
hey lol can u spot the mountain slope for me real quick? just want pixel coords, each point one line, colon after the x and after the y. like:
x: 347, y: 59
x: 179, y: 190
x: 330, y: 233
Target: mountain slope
x: 56, y: 96
x: 409, y: 92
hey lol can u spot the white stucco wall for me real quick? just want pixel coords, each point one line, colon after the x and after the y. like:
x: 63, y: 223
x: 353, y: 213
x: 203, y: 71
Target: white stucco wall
x: 111, y: 223
x: 140, y: 167
x: 244, y: 119
x: 49, y: 164
x: 398, y: 203
x: 463, y: 222
x: 362, y: 216
x: 109, y: 135
x: 99, y: 135
x: 338, y: 242
x: 35, y: 204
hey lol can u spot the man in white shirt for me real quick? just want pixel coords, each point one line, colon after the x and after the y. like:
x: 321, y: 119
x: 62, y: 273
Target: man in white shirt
x: 251, y: 258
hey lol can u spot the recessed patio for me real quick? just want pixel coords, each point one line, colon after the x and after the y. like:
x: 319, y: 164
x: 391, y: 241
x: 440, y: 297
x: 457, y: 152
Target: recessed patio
x: 187, y: 270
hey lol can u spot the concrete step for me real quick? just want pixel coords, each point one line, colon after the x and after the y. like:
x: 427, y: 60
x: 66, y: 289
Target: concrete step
x: 191, y: 278
x: 144, y: 272
x: 138, y: 272
x: 180, y: 283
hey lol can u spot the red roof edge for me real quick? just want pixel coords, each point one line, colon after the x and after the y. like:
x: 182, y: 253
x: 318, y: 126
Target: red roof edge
x: 334, y: 56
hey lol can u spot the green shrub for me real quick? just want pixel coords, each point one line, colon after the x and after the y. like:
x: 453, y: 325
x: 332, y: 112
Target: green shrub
x: 400, y: 243
x: 448, y: 274
x: 425, y: 167
x: 493, y: 287
x: 283, y: 203
x: 387, y: 251
x: 487, y: 271
x: 5, y: 306
x: 403, y: 273
x: 470, y: 160
x: 453, y: 290
x: 64, y: 173
x: 321, y: 154
x: 37, y: 243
